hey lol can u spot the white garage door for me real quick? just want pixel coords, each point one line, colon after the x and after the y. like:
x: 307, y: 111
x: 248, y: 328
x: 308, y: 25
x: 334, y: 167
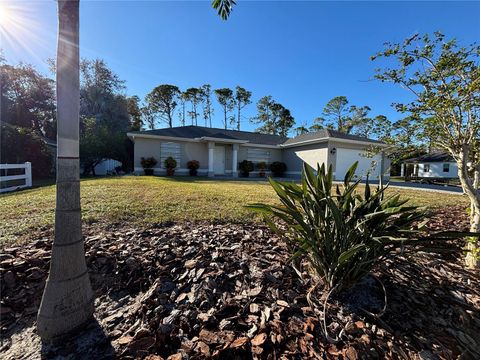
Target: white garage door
x: 346, y: 158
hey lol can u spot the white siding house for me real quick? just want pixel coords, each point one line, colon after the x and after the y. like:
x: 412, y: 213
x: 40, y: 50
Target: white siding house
x: 439, y: 165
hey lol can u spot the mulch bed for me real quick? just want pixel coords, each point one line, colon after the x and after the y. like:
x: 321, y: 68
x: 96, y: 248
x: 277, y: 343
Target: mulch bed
x: 196, y: 291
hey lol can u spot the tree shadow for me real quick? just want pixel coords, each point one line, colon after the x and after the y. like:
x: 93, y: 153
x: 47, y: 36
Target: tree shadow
x: 91, y: 342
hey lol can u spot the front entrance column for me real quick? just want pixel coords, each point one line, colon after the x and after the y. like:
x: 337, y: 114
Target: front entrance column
x: 211, y: 149
x: 234, y: 160
x: 402, y: 170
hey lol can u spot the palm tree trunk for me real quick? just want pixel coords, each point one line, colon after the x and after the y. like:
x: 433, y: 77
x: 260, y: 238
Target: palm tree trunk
x: 67, y: 301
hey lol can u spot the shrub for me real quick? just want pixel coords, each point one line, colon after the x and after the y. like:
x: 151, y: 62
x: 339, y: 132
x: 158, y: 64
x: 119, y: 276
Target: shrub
x: 342, y: 233
x: 278, y: 168
x: 193, y: 165
x: 262, y: 165
x: 246, y: 167
x: 148, y: 163
x: 170, y: 163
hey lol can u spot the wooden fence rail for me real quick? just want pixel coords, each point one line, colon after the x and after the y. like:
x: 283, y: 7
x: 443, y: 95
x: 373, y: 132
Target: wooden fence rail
x: 5, y: 178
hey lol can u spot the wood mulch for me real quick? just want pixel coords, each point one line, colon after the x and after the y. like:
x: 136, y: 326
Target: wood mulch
x: 197, y: 291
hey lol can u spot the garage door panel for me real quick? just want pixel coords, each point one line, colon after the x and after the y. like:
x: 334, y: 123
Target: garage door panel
x: 346, y: 157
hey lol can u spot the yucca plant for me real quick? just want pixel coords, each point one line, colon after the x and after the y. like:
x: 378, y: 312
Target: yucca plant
x: 342, y: 232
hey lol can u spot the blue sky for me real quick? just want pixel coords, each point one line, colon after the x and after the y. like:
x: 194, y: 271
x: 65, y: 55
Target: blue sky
x: 301, y: 53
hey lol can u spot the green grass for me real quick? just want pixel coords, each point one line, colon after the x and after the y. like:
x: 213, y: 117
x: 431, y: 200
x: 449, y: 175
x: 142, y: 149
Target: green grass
x: 142, y: 201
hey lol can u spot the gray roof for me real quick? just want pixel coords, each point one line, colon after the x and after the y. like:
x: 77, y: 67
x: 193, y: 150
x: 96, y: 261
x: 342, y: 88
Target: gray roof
x: 193, y: 132
x: 432, y: 157
x: 327, y: 133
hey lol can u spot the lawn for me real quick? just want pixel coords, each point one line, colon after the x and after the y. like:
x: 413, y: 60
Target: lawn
x: 143, y: 201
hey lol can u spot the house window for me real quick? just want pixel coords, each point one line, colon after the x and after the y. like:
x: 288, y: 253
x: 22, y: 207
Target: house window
x: 446, y: 167
x: 168, y: 149
x: 426, y: 168
x: 258, y: 155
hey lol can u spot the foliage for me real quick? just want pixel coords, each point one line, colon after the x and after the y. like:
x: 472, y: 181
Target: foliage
x: 207, y: 104
x: 33, y: 149
x: 262, y: 165
x: 246, y: 167
x: 194, y: 95
x: 338, y: 115
x: 170, y: 163
x: 274, y: 117
x: 223, y: 7
x: 104, y: 116
x: 342, y: 233
x: 148, y: 163
x: 242, y: 99
x: 444, y: 80
x: 162, y: 101
x: 27, y: 99
x: 227, y: 101
x: 193, y: 165
x: 135, y: 112
x: 278, y: 168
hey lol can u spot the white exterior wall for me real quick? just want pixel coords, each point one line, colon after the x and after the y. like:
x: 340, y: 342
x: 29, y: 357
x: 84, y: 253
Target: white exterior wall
x: 436, y: 170
x: 346, y: 157
x: 314, y: 154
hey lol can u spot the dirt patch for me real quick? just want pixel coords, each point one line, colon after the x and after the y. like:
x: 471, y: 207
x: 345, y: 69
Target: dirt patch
x: 226, y: 291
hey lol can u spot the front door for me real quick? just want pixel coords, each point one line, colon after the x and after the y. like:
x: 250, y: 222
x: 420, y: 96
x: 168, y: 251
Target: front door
x: 219, y: 160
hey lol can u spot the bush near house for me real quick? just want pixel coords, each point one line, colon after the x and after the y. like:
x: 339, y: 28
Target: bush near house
x: 246, y: 167
x: 278, y: 168
x: 193, y: 166
x: 262, y: 166
x: 148, y: 164
x: 170, y: 164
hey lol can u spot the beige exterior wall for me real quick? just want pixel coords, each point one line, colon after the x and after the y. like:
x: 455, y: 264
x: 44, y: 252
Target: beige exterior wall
x: 189, y: 151
x: 313, y: 154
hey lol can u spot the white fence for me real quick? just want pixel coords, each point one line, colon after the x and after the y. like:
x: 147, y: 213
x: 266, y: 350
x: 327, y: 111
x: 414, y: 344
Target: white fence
x: 26, y: 176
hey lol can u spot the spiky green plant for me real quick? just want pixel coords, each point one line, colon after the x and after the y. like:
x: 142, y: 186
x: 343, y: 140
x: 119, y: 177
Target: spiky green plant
x: 343, y: 233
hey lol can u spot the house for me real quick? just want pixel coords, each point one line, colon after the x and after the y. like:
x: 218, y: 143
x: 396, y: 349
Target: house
x: 436, y: 165
x: 219, y: 151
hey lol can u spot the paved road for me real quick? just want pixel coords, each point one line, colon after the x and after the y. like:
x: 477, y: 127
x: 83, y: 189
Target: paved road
x: 428, y: 187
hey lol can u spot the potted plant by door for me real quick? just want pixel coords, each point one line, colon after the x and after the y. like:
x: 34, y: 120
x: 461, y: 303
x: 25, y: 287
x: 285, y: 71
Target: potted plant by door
x: 262, y: 166
x: 245, y: 168
x: 278, y: 168
x: 148, y: 164
x: 193, y: 166
x: 170, y: 164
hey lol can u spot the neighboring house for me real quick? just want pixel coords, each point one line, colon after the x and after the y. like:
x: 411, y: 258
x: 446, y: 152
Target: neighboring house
x: 435, y: 165
x: 219, y: 151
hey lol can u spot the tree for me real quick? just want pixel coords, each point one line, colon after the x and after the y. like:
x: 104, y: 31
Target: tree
x: 104, y: 116
x: 135, y: 112
x: 227, y: 101
x: 183, y: 98
x: 207, y: 104
x: 162, y: 102
x: 337, y: 115
x: 302, y: 129
x: 27, y: 99
x: 28, y: 147
x: 67, y: 301
x: 444, y: 81
x: 242, y: 99
x: 194, y: 95
x: 274, y: 117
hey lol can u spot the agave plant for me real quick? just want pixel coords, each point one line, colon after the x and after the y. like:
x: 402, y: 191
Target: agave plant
x: 342, y: 232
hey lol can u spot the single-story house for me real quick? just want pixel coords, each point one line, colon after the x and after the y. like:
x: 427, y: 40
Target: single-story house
x: 439, y: 165
x: 219, y: 151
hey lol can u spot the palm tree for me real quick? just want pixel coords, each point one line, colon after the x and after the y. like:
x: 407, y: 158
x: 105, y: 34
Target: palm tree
x: 67, y: 301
